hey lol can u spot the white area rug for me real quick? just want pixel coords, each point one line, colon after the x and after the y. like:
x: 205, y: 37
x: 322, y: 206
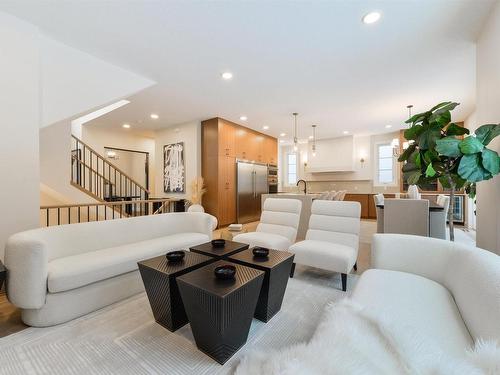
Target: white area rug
x: 124, y: 339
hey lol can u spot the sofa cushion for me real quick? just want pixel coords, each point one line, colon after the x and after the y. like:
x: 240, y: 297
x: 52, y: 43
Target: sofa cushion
x: 417, y: 303
x: 78, y: 270
x: 269, y: 240
x: 324, y: 255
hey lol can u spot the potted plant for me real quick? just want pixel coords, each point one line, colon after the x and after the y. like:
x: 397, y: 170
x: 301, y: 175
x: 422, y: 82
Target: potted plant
x: 197, y: 191
x: 440, y: 149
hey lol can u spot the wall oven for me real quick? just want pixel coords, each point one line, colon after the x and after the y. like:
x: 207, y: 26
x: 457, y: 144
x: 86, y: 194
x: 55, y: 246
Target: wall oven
x: 272, y: 178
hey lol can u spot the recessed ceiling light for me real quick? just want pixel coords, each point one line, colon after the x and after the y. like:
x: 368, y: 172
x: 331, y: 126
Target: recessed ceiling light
x: 311, y: 137
x: 154, y: 116
x: 371, y: 17
x: 126, y: 126
x: 265, y: 127
x: 282, y: 134
x: 345, y: 132
x: 227, y: 75
x: 388, y: 126
x: 243, y: 118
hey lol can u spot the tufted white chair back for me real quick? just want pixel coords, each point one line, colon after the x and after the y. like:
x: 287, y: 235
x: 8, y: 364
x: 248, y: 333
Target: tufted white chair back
x: 280, y: 216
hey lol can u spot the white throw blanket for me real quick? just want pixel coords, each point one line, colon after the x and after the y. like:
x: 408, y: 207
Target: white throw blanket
x: 350, y: 340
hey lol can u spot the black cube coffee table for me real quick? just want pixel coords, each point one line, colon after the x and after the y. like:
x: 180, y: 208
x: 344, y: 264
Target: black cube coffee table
x: 220, y: 311
x: 229, y: 248
x: 277, y: 268
x: 3, y: 274
x: 159, y: 277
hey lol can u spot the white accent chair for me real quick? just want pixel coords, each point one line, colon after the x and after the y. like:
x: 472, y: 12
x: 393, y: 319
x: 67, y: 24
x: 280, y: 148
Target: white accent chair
x: 332, y: 240
x: 379, y: 199
x: 437, y: 219
x: 444, y: 290
x: 406, y: 216
x: 278, y: 225
x: 59, y: 273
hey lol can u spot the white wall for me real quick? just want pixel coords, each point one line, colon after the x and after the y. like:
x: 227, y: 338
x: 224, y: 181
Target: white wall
x: 358, y: 181
x: 74, y: 82
x: 20, y: 121
x: 190, y: 134
x: 488, y: 111
x: 99, y: 138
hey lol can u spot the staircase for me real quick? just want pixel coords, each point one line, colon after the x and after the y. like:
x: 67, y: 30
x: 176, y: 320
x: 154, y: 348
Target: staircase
x: 102, y: 180
x: 117, y: 194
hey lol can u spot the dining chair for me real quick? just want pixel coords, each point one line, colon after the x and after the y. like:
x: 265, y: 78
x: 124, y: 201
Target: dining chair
x: 406, y: 216
x: 437, y: 219
x: 379, y: 199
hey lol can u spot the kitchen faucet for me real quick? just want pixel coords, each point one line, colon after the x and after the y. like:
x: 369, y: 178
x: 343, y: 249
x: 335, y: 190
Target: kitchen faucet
x: 305, y: 185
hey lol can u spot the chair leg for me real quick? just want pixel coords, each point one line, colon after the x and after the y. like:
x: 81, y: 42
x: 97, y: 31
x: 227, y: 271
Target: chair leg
x: 344, y: 282
x: 292, y: 270
x: 356, y: 266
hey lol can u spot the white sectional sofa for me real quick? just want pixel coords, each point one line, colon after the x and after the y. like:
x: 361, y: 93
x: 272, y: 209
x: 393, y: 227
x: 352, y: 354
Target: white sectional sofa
x: 59, y: 273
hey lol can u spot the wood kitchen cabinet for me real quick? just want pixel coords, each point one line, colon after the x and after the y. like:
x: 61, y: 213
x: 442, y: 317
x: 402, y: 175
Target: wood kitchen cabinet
x: 223, y: 142
x: 361, y: 198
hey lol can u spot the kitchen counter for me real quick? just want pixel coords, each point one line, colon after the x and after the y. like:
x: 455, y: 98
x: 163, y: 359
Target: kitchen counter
x: 306, y: 200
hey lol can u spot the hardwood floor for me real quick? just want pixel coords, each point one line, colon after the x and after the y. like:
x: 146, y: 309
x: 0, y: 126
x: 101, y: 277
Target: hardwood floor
x: 10, y: 316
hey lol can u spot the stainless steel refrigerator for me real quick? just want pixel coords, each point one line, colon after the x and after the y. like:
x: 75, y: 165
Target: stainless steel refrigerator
x: 251, y: 184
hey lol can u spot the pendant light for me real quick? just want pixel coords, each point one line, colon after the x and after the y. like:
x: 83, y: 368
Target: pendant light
x: 295, y: 139
x: 314, y: 141
x: 396, y: 152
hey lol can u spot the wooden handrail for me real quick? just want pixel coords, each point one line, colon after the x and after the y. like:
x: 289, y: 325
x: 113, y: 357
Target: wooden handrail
x: 116, y: 203
x: 107, y: 162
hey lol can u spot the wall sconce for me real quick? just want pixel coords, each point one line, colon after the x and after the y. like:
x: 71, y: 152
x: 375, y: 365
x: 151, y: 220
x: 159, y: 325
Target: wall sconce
x: 362, y: 161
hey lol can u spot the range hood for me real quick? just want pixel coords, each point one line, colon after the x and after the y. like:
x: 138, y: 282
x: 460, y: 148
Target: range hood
x: 332, y: 155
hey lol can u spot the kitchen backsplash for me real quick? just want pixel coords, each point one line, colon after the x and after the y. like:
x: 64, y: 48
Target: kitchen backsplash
x: 361, y: 187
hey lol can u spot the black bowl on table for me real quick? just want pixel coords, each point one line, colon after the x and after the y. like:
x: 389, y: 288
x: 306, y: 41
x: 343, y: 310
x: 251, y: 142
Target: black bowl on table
x: 260, y: 252
x: 220, y: 242
x: 175, y: 256
x: 225, y: 272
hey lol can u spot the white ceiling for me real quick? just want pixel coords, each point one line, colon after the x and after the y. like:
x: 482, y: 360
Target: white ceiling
x: 316, y: 58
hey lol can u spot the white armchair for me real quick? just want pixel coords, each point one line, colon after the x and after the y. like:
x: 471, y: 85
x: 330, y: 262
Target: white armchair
x: 278, y: 225
x: 437, y: 219
x: 332, y: 239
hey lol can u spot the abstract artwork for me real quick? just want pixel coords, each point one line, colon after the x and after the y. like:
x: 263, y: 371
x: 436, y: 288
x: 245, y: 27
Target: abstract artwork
x: 173, y: 168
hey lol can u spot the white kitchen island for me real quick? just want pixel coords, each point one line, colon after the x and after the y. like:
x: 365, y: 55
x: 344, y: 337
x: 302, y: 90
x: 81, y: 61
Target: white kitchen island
x: 306, y: 200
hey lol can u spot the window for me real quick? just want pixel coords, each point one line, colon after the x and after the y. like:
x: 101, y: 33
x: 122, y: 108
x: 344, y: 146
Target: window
x: 385, y: 165
x: 291, y: 164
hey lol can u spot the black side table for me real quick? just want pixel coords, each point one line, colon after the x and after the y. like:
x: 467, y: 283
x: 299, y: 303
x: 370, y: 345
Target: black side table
x: 229, y: 248
x: 277, y: 267
x: 3, y: 274
x: 159, y: 277
x: 220, y: 311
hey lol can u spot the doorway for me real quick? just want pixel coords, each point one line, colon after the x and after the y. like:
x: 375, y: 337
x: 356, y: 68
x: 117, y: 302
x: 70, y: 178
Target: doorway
x: 132, y: 162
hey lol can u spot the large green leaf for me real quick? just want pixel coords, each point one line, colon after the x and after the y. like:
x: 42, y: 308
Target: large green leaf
x: 437, y: 106
x: 454, y: 129
x: 491, y: 161
x: 418, y: 118
x: 471, y: 169
x: 413, y: 177
x: 470, y: 145
x: 486, y: 133
x: 413, y: 132
x: 430, y: 172
x: 406, y: 153
x: 450, y: 106
x: 448, y: 146
x: 427, y: 139
x: 430, y: 156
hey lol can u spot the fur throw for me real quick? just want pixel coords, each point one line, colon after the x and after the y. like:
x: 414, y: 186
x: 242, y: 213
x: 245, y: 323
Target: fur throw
x: 350, y: 340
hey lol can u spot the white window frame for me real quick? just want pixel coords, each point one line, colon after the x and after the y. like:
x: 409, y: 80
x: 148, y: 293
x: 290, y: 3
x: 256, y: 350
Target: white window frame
x: 376, y: 181
x: 297, y: 161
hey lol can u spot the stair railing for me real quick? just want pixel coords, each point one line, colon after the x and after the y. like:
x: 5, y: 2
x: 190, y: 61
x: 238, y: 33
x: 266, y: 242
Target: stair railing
x: 96, y: 176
